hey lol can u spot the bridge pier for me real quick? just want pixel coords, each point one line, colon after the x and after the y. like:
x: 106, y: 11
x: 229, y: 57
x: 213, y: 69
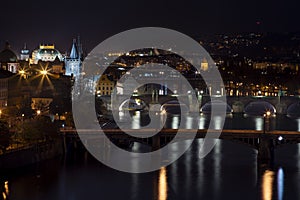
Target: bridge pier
x: 156, y: 142
x: 265, y: 154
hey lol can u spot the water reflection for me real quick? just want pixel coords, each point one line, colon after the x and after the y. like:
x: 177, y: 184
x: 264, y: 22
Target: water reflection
x: 298, y: 154
x: 259, y: 123
x: 175, y: 122
x: 140, y: 119
x: 298, y: 121
x: 267, y: 185
x: 280, y: 183
x: 162, y: 184
x: 189, y: 122
x: 217, y: 122
x: 136, y: 120
x: 202, y: 122
x: 5, y: 193
x: 217, y: 165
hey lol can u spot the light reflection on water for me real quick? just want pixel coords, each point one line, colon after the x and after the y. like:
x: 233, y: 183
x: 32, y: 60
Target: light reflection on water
x: 267, y: 185
x: 162, y: 184
x: 259, y: 123
x: 271, y: 182
x: 5, y: 193
x: 298, y: 120
x: 280, y: 183
x: 202, y: 122
x: 136, y: 120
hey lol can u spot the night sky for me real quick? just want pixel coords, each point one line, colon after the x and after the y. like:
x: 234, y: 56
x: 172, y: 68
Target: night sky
x: 58, y: 21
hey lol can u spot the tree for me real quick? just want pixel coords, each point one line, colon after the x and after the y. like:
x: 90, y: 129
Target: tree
x: 39, y: 128
x: 4, y: 135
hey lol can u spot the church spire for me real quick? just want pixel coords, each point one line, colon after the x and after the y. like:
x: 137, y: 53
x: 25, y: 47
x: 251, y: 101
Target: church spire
x: 7, y: 45
x: 74, y: 53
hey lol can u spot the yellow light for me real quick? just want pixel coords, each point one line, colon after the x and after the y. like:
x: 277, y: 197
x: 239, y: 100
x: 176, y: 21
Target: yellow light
x: 6, y: 187
x: 267, y: 183
x: 4, y: 195
x: 22, y: 72
x: 44, y: 72
x: 38, y: 112
x: 268, y: 113
x: 162, y: 184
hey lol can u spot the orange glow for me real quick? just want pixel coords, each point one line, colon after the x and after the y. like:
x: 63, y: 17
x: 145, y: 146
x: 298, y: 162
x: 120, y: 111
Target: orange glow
x: 162, y: 184
x: 267, y: 185
x: 6, y: 187
x: 22, y: 72
x: 44, y: 72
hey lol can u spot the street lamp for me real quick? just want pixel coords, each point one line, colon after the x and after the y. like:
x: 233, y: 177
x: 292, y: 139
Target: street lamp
x: 21, y: 72
x: 38, y: 112
x: 266, y: 117
x: 44, y: 72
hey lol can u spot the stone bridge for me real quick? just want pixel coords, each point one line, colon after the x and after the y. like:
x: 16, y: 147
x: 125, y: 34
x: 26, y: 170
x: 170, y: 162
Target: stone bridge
x: 283, y: 101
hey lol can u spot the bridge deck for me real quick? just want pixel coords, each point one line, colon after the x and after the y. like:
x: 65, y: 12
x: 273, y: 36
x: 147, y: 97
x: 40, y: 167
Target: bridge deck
x: 201, y: 133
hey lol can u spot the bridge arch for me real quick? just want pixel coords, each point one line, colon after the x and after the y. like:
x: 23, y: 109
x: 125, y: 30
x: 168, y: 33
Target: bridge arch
x: 206, y: 108
x: 259, y: 108
x: 132, y: 104
x: 294, y: 110
x: 174, y: 107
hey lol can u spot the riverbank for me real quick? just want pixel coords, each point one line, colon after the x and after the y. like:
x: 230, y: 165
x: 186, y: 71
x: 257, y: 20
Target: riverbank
x: 31, y: 154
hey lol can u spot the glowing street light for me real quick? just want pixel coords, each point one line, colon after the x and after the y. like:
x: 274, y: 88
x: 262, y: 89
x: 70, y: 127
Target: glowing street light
x: 44, y: 72
x: 22, y: 72
x: 38, y: 112
x: 266, y: 120
x: 267, y: 114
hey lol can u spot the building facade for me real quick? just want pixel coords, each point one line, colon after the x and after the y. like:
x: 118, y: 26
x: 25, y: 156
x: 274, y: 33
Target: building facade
x: 46, y: 52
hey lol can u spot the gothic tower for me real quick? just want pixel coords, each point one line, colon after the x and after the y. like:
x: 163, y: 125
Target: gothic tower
x: 73, y: 62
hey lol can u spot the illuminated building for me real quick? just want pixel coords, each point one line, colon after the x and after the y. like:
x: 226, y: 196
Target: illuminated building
x: 24, y: 54
x: 105, y: 85
x: 73, y: 62
x: 204, y: 65
x: 4, y: 77
x: 45, y: 53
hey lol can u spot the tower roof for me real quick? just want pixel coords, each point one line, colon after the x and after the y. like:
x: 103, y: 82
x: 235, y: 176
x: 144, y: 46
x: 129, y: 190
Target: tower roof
x: 74, y: 52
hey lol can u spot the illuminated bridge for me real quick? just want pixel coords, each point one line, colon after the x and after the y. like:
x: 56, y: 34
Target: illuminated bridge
x: 263, y: 141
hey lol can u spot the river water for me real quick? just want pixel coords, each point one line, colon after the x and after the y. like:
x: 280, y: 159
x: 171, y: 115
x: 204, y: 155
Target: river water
x: 230, y: 171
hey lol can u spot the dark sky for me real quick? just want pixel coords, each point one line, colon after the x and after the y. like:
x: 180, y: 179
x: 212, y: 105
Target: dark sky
x: 58, y: 21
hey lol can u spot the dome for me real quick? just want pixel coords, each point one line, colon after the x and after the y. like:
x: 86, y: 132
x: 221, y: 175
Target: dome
x: 294, y: 110
x: 259, y: 108
x: 8, y: 56
x: 218, y: 105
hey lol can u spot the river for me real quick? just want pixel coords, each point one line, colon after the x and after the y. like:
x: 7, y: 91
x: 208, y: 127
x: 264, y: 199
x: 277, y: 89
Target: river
x: 230, y: 171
